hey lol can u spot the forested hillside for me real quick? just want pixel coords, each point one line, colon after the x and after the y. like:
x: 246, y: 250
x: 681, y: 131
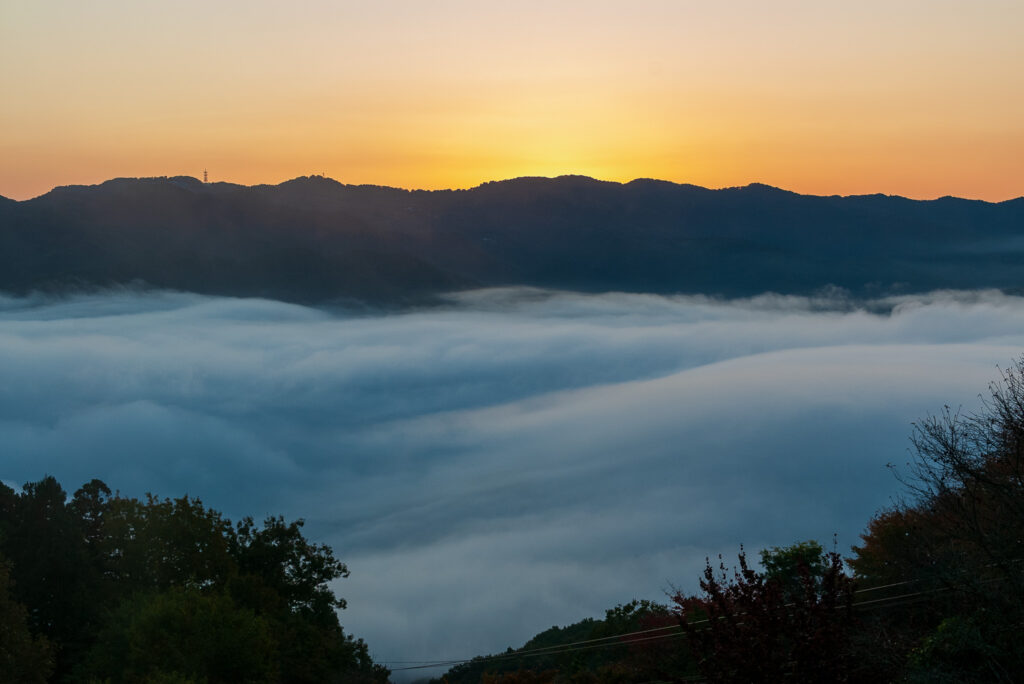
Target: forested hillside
x: 313, y: 239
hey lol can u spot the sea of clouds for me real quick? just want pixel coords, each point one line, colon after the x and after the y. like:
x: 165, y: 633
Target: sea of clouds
x: 512, y: 459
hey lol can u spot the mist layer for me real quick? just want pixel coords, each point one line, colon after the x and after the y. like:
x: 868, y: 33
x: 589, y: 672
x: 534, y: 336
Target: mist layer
x: 513, y: 459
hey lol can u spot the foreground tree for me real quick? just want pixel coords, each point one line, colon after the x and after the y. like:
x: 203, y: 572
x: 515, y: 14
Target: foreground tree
x: 23, y: 657
x: 967, y: 475
x: 792, y: 566
x: 187, y: 634
x: 955, y: 547
x: 52, y: 575
x: 169, y: 590
x: 762, y: 627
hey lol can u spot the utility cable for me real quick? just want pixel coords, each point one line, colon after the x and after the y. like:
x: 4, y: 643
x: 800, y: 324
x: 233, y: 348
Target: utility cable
x: 588, y: 644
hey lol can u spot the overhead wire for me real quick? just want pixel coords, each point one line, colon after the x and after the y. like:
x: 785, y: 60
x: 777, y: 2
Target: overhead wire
x: 589, y: 644
x: 546, y: 649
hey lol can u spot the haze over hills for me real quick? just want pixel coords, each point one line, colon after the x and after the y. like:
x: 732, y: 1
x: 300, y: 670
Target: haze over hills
x: 313, y: 239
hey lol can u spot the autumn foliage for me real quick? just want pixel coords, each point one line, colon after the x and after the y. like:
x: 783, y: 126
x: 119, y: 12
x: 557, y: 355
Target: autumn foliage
x: 756, y: 627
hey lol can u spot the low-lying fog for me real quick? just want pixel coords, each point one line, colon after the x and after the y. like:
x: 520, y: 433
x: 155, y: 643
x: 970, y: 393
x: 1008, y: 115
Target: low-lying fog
x: 513, y: 460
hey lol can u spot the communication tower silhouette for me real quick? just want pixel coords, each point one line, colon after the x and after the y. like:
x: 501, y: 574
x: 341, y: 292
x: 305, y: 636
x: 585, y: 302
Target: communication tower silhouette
x: 205, y: 180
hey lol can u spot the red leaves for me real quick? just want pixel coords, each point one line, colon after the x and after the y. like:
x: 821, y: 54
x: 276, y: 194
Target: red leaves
x: 749, y: 628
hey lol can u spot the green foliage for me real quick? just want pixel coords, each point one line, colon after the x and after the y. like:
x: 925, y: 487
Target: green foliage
x: 168, y: 590
x: 789, y: 565
x: 186, y: 633
x: 52, y: 573
x: 90, y: 503
x: 162, y: 543
x: 299, y: 572
x: 629, y: 617
x: 23, y: 657
x: 955, y: 652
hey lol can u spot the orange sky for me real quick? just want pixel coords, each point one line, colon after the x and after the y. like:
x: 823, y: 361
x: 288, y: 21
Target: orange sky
x: 920, y: 98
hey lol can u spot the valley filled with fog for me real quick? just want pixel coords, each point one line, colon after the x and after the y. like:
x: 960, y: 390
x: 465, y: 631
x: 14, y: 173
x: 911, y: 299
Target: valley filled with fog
x: 512, y: 458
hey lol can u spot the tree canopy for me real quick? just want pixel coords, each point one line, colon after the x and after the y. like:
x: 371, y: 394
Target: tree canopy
x: 107, y: 587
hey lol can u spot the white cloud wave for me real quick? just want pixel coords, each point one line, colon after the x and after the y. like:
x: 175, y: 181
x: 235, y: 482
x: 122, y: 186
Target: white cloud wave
x: 513, y: 459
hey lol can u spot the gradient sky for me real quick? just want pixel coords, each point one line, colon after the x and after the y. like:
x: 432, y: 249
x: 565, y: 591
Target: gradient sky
x: 921, y: 98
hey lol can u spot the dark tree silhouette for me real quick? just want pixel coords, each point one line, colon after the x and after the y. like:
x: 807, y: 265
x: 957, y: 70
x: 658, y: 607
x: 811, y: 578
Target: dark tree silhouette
x: 753, y: 627
x: 23, y: 656
x: 168, y: 590
x: 957, y: 544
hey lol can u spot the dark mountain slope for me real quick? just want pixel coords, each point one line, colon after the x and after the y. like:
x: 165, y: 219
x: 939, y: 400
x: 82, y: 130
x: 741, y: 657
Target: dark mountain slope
x: 313, y: 239
x: 219, y: 239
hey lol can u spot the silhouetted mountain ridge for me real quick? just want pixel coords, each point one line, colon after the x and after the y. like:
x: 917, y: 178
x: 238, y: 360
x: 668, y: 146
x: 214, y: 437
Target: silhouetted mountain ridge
x: 315, y: 239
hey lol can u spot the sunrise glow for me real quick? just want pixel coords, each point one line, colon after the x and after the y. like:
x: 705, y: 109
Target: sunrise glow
x: 915, y: 98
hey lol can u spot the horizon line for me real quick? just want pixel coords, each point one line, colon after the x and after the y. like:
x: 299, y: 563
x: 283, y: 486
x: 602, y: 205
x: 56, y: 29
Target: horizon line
x: 323, y: 176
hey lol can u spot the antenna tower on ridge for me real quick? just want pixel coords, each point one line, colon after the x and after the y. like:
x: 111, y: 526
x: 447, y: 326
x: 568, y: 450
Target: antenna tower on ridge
x: 205, y: 180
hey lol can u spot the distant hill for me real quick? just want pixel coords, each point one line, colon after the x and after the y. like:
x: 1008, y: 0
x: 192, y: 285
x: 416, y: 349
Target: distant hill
x: 313, y: 239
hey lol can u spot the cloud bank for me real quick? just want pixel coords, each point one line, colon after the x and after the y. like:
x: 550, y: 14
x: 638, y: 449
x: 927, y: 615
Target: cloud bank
x: 512, y: 460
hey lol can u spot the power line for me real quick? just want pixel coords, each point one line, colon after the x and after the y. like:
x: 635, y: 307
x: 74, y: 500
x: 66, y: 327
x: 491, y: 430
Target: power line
x: 506, y: 656
x: 546, y: 649
x: 589, y: 644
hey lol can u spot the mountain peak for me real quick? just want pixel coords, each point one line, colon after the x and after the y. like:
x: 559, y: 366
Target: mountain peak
x: 314, y: 180
x: 762, y: 189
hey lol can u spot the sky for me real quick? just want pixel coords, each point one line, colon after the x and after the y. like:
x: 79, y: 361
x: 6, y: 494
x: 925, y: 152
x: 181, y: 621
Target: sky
x: 921, y: 98
x: 513, y: 459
